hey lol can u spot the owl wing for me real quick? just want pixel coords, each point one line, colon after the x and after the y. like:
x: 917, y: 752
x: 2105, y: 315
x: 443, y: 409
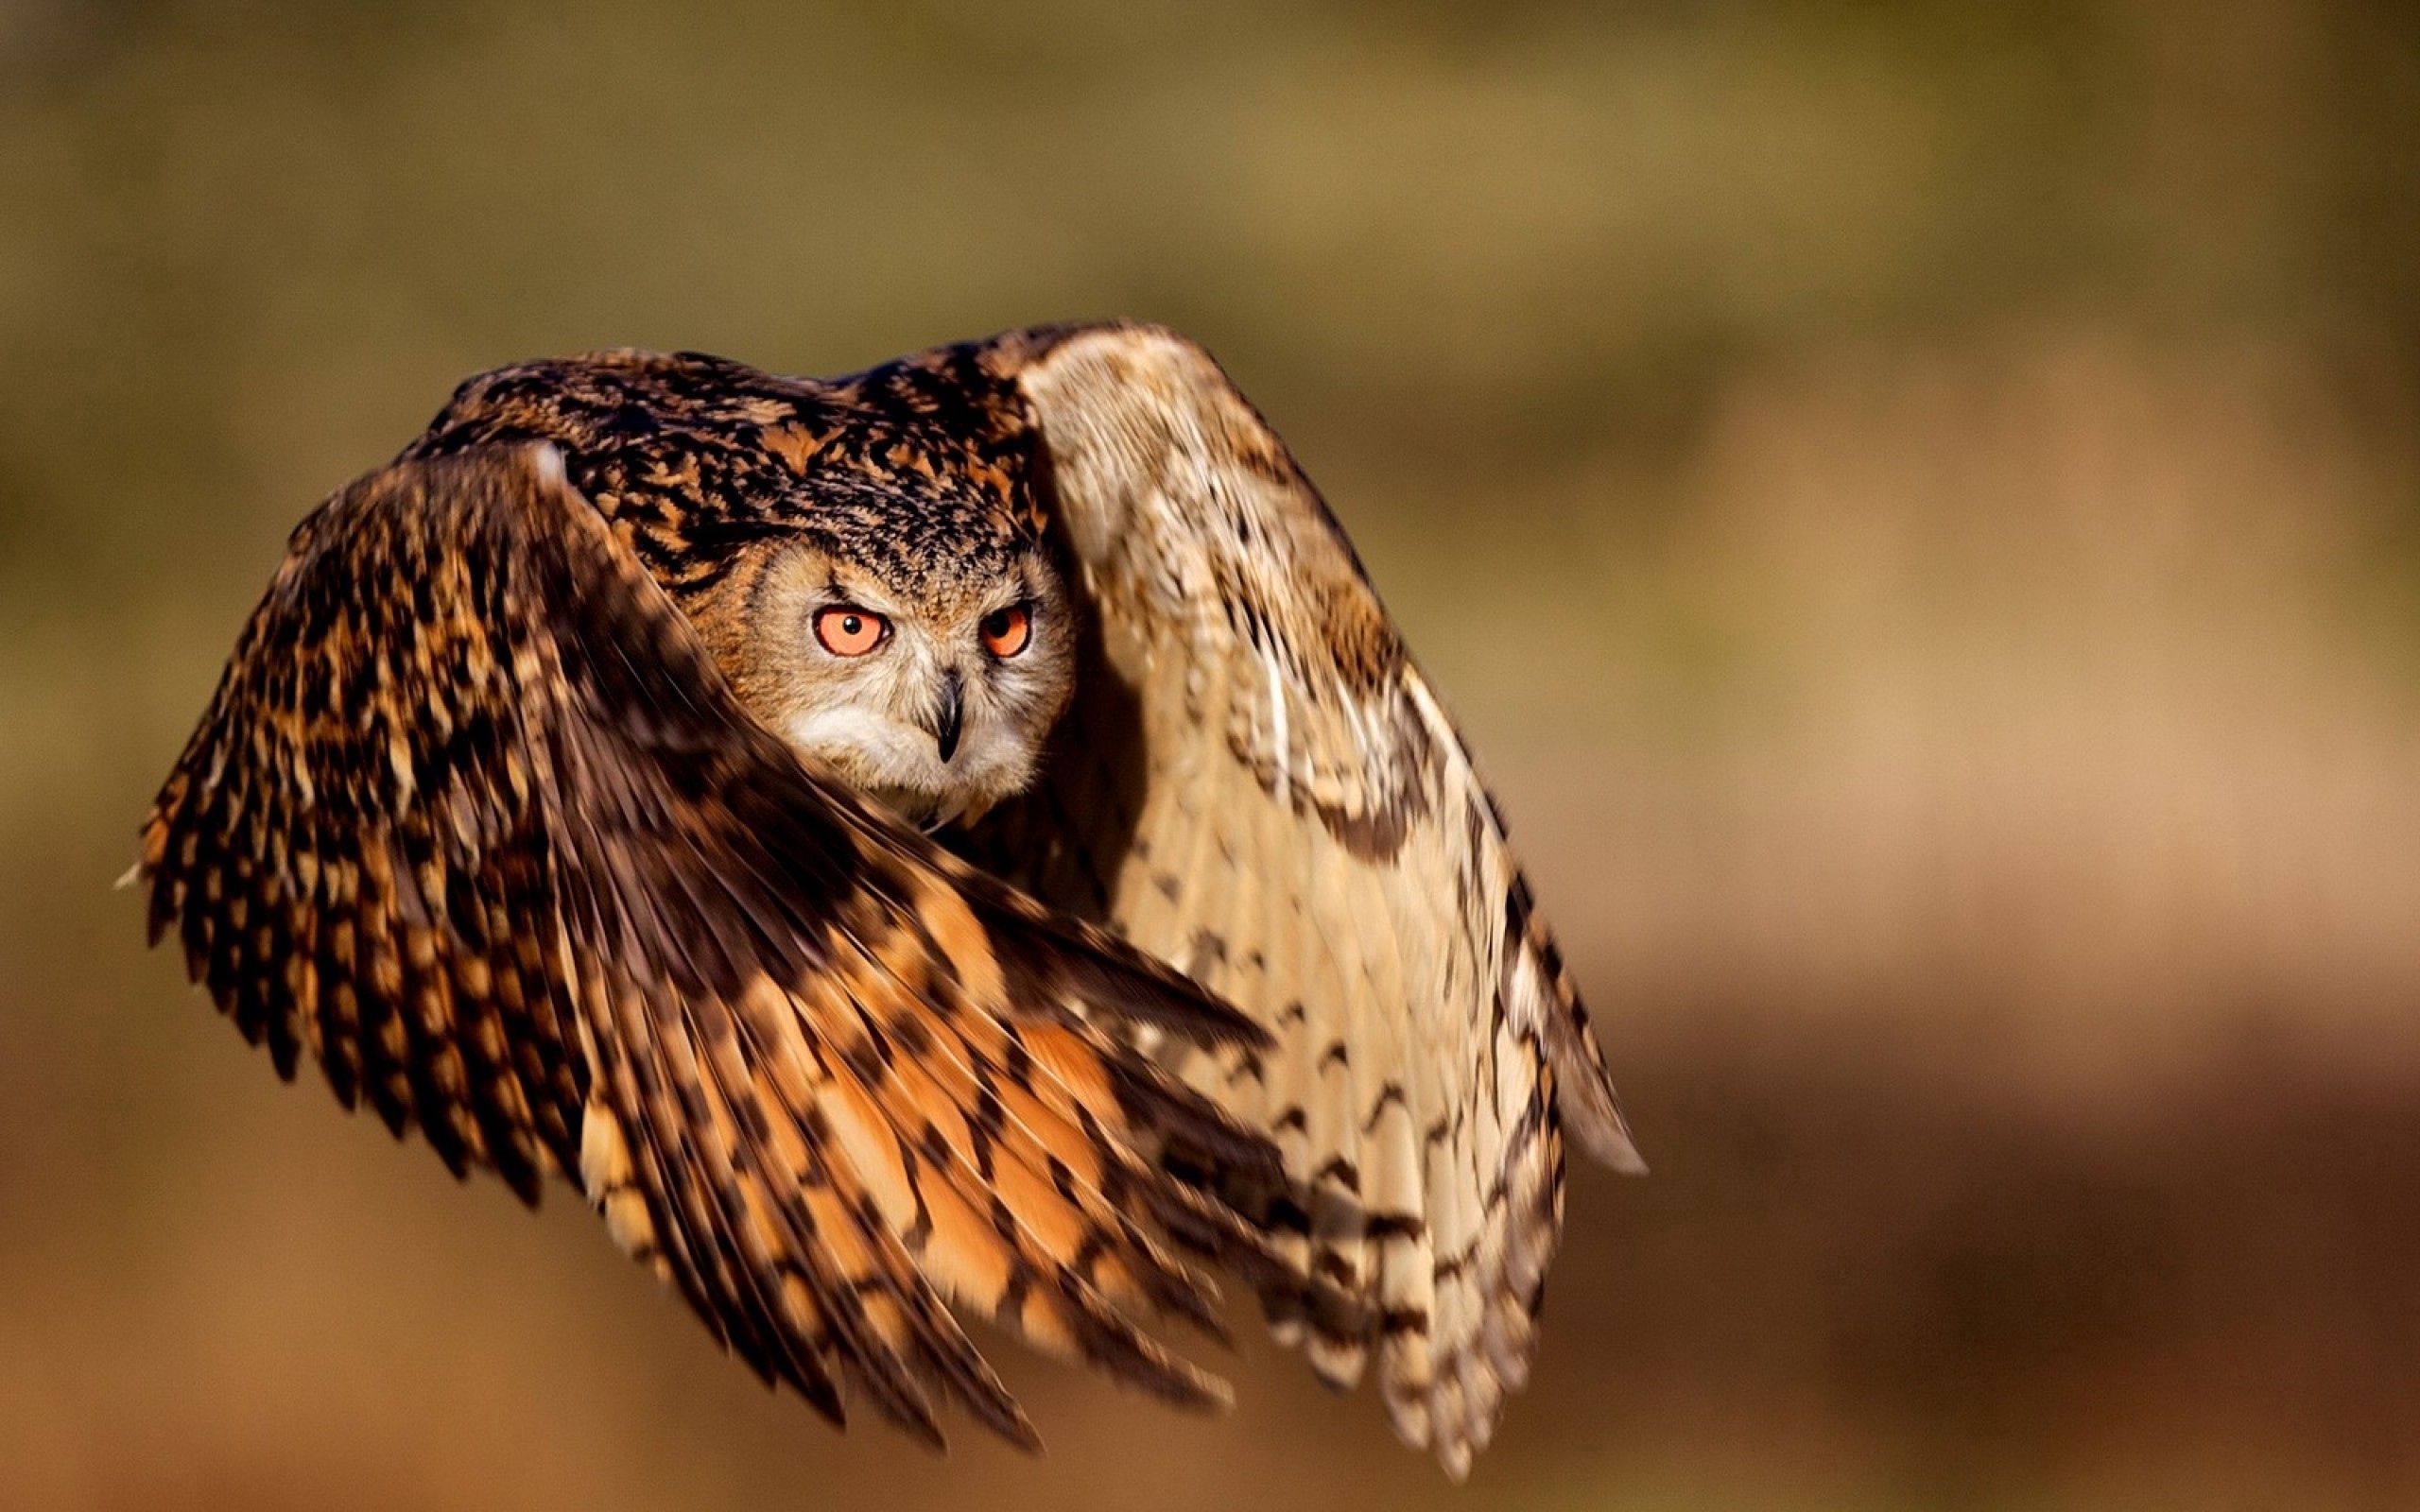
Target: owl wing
x: 1256, y: 784
x: 473, y: 820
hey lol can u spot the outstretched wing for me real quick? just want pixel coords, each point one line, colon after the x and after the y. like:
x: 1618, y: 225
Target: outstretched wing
x: 1257, y: 785
x: 473, y: 820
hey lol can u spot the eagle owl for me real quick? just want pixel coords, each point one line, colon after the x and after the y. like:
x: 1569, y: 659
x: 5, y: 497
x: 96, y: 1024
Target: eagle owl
x: 963, y: 835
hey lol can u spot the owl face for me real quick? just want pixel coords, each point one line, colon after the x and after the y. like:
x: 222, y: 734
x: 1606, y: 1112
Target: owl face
x: 928, y: 686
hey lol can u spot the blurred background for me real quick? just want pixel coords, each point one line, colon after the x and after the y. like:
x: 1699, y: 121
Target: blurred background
x: 1917, y: 507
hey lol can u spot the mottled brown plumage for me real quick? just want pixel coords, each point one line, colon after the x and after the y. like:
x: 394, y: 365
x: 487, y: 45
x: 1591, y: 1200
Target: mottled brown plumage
x: 507, y: 812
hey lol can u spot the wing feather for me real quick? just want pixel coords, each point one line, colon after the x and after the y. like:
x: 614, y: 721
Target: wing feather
x: 1257, y: 785
x: 474, y: 822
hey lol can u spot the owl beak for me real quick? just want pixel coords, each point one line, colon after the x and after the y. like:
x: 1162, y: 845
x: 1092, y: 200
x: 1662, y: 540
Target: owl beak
x: 953, y: 712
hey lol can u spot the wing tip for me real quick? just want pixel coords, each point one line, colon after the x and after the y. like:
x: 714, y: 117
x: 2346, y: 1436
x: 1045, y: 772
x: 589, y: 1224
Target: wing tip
x: 1592, y: 1115
x: 1618, y: 1153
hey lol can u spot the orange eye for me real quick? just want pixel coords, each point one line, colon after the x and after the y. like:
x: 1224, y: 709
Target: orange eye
x: 847, y: 631
x: 1007, y: 631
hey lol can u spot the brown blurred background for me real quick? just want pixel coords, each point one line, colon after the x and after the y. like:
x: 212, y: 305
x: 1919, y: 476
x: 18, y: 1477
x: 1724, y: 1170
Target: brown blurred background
x: 1917, y: 506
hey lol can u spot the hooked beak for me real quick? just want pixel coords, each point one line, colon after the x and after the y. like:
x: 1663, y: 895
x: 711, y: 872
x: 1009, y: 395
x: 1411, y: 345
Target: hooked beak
x: 953, y: 712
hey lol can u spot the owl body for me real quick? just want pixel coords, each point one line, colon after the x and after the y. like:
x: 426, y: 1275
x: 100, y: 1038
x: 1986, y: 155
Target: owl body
x: 624, y: 872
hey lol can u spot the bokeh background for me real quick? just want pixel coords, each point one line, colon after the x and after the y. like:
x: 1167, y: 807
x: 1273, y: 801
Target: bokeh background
x: 1917, y: 506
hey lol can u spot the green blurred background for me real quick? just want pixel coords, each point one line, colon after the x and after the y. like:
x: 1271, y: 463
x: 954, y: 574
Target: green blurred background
x: 1918, y: 508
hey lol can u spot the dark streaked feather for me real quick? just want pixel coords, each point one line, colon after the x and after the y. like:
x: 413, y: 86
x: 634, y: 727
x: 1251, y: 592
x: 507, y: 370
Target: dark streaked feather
x: 474, y: 819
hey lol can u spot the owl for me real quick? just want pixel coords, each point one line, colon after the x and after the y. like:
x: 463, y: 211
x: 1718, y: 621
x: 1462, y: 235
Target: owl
x: 959, y: 839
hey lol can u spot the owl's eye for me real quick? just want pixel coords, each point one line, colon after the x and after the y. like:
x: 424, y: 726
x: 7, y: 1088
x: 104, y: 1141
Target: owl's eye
x: 846, y: 630
x: 1007, y: 631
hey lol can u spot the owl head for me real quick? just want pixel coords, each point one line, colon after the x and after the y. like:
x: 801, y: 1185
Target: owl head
x: 920, y: 650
